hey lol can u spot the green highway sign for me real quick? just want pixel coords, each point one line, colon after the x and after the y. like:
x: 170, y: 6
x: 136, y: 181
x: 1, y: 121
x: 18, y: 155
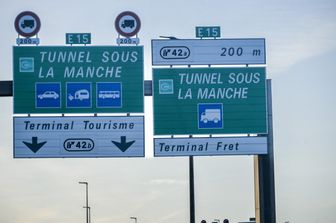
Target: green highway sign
x: 86, y: 79
x: 78, y: 38
x: 209, y: 100
x: 208, y: 31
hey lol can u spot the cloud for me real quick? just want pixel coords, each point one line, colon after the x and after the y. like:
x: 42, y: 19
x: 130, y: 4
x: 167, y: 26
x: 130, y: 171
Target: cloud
x: 171, y: 216
x: 166, y: 181
x: 299, y: 34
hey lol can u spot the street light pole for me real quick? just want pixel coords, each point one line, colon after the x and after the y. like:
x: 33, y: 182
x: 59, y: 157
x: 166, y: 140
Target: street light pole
x: 191, y: 189
x: 87, y: 200
x: 135, y: 219
x: 89, y: 214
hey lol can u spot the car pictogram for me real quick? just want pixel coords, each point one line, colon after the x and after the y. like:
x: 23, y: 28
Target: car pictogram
x: 48, y: 95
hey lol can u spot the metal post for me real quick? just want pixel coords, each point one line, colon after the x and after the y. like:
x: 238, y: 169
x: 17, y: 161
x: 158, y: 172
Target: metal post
x: 256, y: 189
x: 266, y: 169
x: 6, y: 88
x: 87, y: 200
x: 89, y: 214
x: 191, y: 189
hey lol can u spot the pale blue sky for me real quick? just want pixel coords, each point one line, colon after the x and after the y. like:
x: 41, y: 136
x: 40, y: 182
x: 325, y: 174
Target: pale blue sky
x: 301, y: 52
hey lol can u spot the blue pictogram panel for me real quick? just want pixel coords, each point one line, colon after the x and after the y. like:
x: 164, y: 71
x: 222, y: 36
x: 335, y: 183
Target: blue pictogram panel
x: 109, y: 95
x: 210, y: 116
x: 78, y: 95
x: 48, y: 95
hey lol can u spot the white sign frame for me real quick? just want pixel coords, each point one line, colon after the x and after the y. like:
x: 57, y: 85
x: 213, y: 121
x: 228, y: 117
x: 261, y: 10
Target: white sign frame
x: 72, y: 137
x: 128, y: 40
x: 27, y: 41
x: 214, y: 146
x: 208, y: 51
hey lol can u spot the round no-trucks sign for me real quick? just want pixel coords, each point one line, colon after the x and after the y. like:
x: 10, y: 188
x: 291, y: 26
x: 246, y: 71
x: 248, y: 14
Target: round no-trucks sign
x: 27, y: 24
x: 127, y: 24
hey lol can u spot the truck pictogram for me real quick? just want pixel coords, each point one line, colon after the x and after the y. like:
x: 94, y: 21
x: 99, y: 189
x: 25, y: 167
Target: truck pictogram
x: 27, y: 23
x: 128, y: 23
x: 211, y: 115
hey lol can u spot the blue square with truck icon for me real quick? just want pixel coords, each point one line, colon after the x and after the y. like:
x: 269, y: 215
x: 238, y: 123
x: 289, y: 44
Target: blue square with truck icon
x: 78, y: 95
x: 210, y: 116
x: 48, y: 95
x: 109, y: 95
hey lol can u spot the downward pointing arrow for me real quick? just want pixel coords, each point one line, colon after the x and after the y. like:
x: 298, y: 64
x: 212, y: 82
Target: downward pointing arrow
x: 34, y: 145
x: 123, y: 145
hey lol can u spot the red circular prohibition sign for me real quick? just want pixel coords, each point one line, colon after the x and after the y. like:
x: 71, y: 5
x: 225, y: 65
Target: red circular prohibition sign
x: 132, y: 14
x: 17, y: 24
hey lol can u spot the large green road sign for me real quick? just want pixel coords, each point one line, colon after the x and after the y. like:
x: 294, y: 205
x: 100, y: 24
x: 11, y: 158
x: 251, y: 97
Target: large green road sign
x: 88, y: 79
x: 209, y: 101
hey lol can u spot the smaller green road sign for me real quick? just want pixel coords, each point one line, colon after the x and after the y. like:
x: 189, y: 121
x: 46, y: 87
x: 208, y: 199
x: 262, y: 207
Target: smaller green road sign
x: 209, y: 101
x: 207, y: 31
x: 86, y: 79
x: 78, y: 38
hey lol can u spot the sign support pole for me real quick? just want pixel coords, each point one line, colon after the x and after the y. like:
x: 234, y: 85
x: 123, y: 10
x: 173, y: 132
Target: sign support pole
x: 191, y: 189
x: 6, y: 88
x: 266, y: 170
x: 256, y: 188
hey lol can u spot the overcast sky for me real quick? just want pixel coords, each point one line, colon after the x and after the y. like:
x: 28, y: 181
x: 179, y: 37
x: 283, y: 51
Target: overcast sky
x: 301, y: 53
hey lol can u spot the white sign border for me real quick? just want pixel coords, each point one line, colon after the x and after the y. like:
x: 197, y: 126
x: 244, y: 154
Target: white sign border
x: 93, y: 156
x: 262, y: 140
x: 176, y: 43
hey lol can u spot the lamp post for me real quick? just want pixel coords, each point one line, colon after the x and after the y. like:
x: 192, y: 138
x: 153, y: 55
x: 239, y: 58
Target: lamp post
x: 135, y: 219
x: 89, y: 214
x: 87, y: 200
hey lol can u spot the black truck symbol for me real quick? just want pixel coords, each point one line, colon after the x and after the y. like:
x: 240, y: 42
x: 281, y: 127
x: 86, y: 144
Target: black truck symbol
x: 28, y: 23
x: 128, y: 23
